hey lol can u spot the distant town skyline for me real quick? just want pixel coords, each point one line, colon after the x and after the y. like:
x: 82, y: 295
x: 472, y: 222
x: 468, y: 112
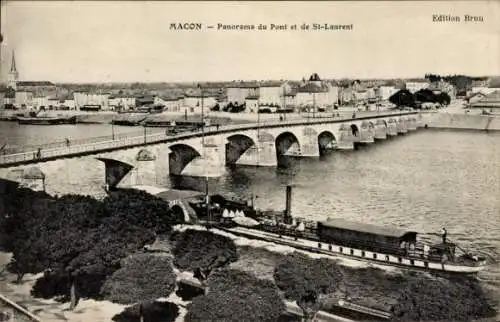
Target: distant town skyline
x: 123, y: 42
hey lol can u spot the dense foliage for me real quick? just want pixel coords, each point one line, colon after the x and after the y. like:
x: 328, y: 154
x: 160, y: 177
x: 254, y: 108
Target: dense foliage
x: 304, y: 280
x: 151, y: 312
x: 403, y: 97
x: 446, y: 300
x: 202, y: 252
x: 461, y: 82
x: 142, y: 277
x: 428, y: 96
x: 236, y: 296
x: 81, y: 240
x: 139, y: 208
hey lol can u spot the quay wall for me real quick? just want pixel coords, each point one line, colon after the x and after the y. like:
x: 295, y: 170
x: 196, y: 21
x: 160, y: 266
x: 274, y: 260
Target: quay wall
x: 463, y: 122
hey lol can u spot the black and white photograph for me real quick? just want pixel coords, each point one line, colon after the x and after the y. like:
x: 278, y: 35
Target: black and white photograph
x: 247, y: 161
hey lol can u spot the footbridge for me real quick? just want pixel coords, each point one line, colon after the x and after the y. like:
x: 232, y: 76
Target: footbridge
x: 251, y: 144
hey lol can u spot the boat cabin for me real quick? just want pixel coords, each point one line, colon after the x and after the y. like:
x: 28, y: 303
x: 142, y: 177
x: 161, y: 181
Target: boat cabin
x: 365, y: 236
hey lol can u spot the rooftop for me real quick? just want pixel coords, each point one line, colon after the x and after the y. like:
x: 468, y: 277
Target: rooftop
x: 173, y: 194
x: 243, y: 85
x: 35, y: 83
x: 365, y: 228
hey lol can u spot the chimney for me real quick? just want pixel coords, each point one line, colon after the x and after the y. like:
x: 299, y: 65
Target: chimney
x: 288, y: 209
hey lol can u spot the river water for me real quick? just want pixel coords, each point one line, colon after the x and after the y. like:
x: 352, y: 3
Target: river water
x: 423, y: 181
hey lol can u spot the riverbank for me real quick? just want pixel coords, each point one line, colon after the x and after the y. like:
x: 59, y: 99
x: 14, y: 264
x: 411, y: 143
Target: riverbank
x: 367, y: 285
x: 106, y: 117
x: 473, y: 122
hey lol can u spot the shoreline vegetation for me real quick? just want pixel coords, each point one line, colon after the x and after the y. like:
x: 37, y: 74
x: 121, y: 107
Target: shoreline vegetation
x: 121, y: 258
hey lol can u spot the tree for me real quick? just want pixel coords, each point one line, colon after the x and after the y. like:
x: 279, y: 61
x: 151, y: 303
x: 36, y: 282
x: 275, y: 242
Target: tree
x: 111, y: 242
x: 19, y: 211
x: 202, y: 252
x: 20, y: 221
x: 443, y: 98
x: 236, y: 296
x: 433, y: 78
x: 446, y: 300
x: 28, y: 258
x: 402, y: 97
x: 425, y: 96
x: 305, y: 280
x: 142, y: 209
x: 142, y: 278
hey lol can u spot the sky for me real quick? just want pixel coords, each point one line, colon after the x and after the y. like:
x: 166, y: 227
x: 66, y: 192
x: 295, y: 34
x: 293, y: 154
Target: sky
x: 124, y: 41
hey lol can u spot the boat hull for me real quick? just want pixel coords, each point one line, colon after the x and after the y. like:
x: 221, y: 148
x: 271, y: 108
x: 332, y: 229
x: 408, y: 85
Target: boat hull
x: 46, y: 121
x: 354, y: 253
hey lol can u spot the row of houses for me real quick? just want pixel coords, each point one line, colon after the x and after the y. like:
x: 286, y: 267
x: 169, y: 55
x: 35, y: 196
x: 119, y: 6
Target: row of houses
x: 254, y: 96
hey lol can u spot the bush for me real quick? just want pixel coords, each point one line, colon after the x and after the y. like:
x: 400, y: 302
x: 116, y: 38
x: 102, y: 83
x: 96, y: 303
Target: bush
x: 444, y: 300
x: 202, y: 251
x: 237, y: 296
x: 151, y: 312
x: 51, y: 284
x: 143, y: 277
x: 304, y: 280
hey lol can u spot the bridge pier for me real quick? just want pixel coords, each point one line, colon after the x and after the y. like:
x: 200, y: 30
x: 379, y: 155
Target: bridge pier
x: 346, y: 139
x: 380, y: 131
x: 309, y: 146
x: 402, y: 127
x: 412, y: 124
x: 392, y: 128
x: 211, y: 162
x: 367, y: 133
x: 262, y: 155
x: 145, y: 170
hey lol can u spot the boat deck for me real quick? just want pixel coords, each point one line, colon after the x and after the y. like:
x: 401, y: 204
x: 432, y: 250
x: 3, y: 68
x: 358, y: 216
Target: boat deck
x: 383, y: 258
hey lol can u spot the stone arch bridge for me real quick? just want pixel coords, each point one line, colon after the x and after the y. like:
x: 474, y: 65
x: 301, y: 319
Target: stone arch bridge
x: 193, y: 155
x: 264, y: 146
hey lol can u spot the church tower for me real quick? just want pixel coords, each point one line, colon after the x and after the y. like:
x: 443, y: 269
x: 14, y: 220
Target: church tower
x: 13, y: 73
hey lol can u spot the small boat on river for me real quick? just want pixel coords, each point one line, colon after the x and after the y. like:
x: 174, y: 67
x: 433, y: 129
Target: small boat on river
x: 340, y: 237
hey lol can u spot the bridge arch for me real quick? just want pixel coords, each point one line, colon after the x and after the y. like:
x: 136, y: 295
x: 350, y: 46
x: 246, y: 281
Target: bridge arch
x: 286, y: 144
x: 180, y: 156
x: 237, y: 145
x: 180, y: 213
x: 326, y: 142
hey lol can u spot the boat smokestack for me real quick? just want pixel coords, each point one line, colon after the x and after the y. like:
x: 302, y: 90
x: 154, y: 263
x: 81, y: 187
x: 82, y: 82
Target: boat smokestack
x: 288, y: 209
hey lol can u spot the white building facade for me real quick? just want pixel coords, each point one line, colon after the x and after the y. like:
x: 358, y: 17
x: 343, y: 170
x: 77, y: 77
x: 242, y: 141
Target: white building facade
x: 384, y: 92
x: 84, y: 98
x: 416, y: 86
x: 238, y: 92
x: 23, y: 99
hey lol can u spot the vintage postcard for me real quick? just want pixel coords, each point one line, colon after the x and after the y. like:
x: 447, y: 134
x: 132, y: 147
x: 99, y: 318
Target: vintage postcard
x: 249, y: 160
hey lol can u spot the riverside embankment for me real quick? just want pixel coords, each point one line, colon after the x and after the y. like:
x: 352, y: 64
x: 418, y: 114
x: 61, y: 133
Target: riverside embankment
x: 463, y: 122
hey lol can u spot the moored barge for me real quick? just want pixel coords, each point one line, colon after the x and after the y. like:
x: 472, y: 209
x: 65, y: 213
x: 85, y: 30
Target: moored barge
x: 46, y: 120
x: 355, y: 240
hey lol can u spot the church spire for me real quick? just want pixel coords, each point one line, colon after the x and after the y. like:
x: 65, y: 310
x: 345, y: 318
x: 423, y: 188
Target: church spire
x: 13, y: 68
x: 13, y: 74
